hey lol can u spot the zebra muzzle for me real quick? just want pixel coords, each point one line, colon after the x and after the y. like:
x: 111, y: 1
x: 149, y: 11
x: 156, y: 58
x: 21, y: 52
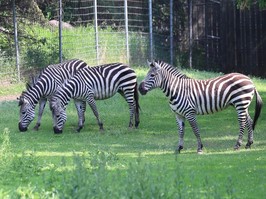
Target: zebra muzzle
x: 22, y: 128
x: 57, y: 131
x: 142, y: 89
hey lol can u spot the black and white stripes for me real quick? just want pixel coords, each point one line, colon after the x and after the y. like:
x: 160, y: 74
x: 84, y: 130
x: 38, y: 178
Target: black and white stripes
x: 189, y: 97
x: 43, y: 88
x: 97, y: 83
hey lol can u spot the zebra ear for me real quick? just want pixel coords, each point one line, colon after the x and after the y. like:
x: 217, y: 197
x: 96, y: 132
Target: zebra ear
x: 149, y: 63
x: 28, y: 86
x: 20, y: 100
x: 156, y: 65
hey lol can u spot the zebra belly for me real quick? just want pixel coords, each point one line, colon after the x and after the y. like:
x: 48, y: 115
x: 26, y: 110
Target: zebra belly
x: 209, y: 110
x: 195, y: 110
x: 104, y: 95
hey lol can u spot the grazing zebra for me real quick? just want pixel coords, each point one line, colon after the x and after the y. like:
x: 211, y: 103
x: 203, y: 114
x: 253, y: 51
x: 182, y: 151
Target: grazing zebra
x: 97, y: 83
x: 189, y: 97
x: 43, y: 87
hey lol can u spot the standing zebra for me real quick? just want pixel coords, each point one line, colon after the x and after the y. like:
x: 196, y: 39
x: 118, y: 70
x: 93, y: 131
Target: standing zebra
x: 189, y: 97
x: 43, y: 87
x: 97, y: 83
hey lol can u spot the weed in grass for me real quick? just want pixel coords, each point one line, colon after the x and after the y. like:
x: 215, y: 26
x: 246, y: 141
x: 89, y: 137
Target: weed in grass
x: 28, y: 192
x: 230, y: 190
x: 5, y: 148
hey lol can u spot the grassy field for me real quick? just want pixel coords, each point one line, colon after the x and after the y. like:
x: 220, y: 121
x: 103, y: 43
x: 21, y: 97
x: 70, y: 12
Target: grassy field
x: 123, y: 163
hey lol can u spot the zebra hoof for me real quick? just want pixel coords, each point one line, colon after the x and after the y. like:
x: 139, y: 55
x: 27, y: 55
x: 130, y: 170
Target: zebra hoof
x: 200, y: 151
x: 178, y: 150
x: 248, y: 145
x: 36, y: 128
x: 237, y: 146
x: 78, y: 129
x: 136, y: 125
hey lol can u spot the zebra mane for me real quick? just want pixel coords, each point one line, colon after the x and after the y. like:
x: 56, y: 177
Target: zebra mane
x: 33, y: 80
x: 170, y: 69
x: 21, y: 98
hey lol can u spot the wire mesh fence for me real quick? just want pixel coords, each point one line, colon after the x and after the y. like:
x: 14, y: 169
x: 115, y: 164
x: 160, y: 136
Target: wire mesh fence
x: 106, y: 31
x: 202, y: 34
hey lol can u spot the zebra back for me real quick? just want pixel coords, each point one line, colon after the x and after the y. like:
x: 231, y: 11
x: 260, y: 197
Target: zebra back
x: 102, y: 80
x: 51, y: 78
x: 202, y: 96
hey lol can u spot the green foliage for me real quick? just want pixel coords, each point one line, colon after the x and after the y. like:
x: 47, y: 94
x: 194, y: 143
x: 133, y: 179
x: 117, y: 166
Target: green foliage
x: 41, y: 54
x: 242, y: 4
x: 41, y: 51
x: 138, y: 163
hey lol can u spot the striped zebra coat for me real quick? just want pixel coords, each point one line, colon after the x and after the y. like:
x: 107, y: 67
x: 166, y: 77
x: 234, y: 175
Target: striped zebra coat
x: 189, y: 97
x: 43, y: 87
x: 97, y: 83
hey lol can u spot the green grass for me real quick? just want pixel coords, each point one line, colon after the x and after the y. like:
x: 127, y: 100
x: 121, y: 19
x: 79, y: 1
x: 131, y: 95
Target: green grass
x: 139, y: 163
x: 11, y: 89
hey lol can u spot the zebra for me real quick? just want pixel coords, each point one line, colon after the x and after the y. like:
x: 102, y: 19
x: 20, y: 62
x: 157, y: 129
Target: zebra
x: 97, y: 83
x: 189, y: 97
x: 43, y: 87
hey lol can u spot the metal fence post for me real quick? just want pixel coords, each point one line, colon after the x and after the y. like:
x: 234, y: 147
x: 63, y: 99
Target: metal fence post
x: 171, y: 33
x: 126, y: 29
x: 150, y: 29
x: 96, y: 31
x: 16, y: 39
x: 190, y: 33
x: 60, y: 31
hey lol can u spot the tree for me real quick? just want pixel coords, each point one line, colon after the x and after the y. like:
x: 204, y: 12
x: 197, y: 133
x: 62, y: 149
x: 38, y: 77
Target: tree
x: 242, y: 4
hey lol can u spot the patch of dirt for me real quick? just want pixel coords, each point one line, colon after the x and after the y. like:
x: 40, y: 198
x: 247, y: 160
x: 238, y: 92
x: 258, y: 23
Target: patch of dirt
x: 8, y: 98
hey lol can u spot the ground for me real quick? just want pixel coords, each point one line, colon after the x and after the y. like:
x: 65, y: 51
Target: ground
x: 8, y: 98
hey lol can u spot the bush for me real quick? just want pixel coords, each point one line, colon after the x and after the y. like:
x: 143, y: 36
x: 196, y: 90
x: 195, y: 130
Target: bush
x: 41, y: 54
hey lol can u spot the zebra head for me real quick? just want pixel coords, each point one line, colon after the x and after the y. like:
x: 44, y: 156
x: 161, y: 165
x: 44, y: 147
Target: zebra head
x: 27, y: 113
x: 59, y: 115
x: 153, y: 78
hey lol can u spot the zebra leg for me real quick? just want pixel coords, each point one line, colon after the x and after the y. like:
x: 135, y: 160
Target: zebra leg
x: 181, y: 124
x: 132, y: 112
x: 242, y: 119
x: 132, y: 107
x: 136, y: 116
x: 92, y: 104
x: 249, y: 123
x: 193, y: 123
x: 81, y: 108
x: 42, y: 104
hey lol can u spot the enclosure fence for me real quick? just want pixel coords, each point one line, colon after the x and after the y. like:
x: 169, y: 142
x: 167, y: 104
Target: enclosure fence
x: 200, y: 34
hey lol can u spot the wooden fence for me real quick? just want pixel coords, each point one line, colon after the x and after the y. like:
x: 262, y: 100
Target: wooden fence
x: 230, y: 39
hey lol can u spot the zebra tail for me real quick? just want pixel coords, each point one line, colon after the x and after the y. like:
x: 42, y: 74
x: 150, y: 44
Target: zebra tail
x: 136, y: 97
x: 258, y: 108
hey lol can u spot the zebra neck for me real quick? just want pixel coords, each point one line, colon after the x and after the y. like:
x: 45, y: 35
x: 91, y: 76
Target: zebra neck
x: 65, y: 94
x: 33, y: 96
x: 171, y: 85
